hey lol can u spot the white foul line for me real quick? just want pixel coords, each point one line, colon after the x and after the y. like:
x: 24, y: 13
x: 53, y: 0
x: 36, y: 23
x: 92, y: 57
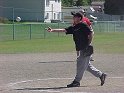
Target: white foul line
x: 13, y: 84
x: 116, y: 77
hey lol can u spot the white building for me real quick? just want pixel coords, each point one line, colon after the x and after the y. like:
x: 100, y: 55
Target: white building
x: 31, y: 10
x: 52, y: 10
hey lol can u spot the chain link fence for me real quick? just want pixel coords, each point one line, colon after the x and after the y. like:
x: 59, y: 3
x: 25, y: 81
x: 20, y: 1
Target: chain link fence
x: 24, y: 31
x: 108, y: 26
x: 29, y: 31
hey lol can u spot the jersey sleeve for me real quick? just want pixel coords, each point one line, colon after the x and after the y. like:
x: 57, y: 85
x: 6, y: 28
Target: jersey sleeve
x: 88, y: 22
x: 69, y: 30
x: 87, y: 29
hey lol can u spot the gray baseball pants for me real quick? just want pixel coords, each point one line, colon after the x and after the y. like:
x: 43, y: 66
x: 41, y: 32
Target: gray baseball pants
x: 83, y: 63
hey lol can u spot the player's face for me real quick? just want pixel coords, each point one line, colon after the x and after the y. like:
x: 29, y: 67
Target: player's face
x: 76, y: 19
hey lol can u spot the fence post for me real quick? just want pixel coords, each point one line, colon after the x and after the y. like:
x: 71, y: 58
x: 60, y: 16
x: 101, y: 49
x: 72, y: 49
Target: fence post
x: 108, y: 25
x: 45, y: 31
x: 58, y: 27
x: 13, y: 24
x: 13, y: 33
x: 114, y: 26
x: 30, y: 33
x: 99, y: 27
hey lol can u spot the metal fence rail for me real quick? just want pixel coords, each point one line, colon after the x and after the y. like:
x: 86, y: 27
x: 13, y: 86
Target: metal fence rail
x: 109, y: 26
x: 24, y: 31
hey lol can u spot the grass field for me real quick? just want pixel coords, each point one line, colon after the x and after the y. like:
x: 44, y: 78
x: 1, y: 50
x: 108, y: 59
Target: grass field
x: 104, y: 42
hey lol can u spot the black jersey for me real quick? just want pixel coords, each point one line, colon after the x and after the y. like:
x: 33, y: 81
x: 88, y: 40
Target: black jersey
x: 80, y: 35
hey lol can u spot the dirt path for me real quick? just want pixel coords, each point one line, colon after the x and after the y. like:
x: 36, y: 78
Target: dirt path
x: 51, y: 72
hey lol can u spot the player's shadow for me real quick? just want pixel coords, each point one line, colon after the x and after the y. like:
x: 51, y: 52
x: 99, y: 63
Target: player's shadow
x: 53, y: 88
x: 57, y: 62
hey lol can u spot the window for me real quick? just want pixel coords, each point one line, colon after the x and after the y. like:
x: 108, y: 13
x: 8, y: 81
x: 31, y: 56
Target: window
x: 47, y: 2
x: 59, y: 1
x: 58, y: 16
x: 47, y: 16
x: 54, y: 15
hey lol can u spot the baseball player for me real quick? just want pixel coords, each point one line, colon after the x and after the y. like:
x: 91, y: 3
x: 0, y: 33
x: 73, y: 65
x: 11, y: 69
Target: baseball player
x: 86, y: 21
x: 82, y: 36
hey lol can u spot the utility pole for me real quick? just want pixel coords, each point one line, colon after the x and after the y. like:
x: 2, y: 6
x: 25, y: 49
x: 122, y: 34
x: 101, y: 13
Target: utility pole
x: 52, y: 11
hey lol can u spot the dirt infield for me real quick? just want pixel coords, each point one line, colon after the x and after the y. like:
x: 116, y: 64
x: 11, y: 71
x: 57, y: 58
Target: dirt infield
x: 51, y: 72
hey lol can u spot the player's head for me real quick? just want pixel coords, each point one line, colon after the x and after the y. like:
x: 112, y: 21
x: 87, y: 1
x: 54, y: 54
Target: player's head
x: 77, y: 17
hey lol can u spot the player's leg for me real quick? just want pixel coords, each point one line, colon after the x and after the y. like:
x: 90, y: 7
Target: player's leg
x: 93, y: 70
x: 97, y: 73
x: 82, y: 64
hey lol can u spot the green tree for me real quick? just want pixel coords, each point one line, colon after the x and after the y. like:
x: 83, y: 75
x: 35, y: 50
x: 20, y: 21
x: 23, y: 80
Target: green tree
x: 83, y: 2
x: 87, y: 2
x: 78, y: 3
x: 65, y: 3
x: 114, y: 7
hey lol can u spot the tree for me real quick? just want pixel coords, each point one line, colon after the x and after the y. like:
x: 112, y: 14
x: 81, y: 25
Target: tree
x: 83, y: 2
x: 114, y: 7
x: 79, y: 3
x: 68, y: 3
x: 89, y: 2
x: 65, y: 3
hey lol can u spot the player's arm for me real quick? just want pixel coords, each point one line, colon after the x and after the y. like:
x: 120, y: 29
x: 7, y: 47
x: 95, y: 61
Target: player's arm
x: 55, y: 30
x: 89, y: 32
x: 90, y: 25
x: 90, y: 37
x: 91, y: 28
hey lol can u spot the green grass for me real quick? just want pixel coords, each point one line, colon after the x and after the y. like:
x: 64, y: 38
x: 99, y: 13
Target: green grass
x: 109, y: 42
x: 55, y: 44
x: 104, y: 42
